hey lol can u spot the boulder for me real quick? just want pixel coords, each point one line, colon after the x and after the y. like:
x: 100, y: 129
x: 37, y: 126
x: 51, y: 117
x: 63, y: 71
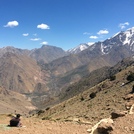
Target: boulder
x: 117, y: 114
x: 104, y: 126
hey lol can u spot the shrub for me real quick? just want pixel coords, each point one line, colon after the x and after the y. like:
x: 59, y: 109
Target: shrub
x: 47, y: 108
x: 92, y: 95
x: 82, y: 98
x: 40, y: 111
x: 46, y: 118
x: 130, y: 77
x: 113, y: 77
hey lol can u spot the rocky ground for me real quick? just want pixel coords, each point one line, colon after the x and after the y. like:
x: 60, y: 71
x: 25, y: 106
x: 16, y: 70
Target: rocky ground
x: 121, y: 125
x: 38, y: 126
x: 124, y: 125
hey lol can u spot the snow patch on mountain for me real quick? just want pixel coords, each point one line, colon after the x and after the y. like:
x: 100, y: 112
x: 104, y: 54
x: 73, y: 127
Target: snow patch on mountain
x: 129, y: 35
x: 79, y: 48
x: 83, y: 47
x: 120, y: 38
x: 102, y: 48
x: 90, y: 43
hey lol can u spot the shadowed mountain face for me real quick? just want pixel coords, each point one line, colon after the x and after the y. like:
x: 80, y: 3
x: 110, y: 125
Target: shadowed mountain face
x: 92, y: 99
x: 19, y: 73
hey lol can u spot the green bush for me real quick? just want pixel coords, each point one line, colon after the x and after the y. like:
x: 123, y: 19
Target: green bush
x: 82, y: 98
x: 47, y: 108
x: 92, y: 95
x: 113, y: 77
x: 40, y: 112
x: 130, y: 77
x: 46, y: 118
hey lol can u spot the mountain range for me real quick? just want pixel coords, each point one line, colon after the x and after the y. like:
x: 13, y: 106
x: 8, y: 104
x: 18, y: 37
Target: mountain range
x: 119, y: 39
x: 45, y: 73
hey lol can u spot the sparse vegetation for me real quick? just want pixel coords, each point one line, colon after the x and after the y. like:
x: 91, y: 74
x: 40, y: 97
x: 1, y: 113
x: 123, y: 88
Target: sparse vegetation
x: 46, y: 118
x: 47, y: 108
x: 130, y: 77
x: 40, y: 112
x: 82, y: 98
x: 113, y: 77
x: 97, y: 102
x: 92, y: 95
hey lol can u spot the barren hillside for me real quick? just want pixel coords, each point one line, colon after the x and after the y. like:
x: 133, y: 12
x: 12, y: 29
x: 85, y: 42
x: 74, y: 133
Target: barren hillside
x: 95, y: 103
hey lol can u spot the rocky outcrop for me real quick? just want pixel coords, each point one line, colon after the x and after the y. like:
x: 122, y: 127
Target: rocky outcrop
x: 104, y: 126
x: 117, y: 114
x: 129, y: 103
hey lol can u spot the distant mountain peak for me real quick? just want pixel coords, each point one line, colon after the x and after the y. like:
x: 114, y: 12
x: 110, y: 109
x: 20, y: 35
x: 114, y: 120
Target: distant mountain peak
x: 118, y: 39
x: 79, y: 48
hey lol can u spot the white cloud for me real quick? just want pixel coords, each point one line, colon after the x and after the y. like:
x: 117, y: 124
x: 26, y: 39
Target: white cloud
x: 93, y: 37
x: 44, y: 43
x: 103, y: 32
x: 12, y: 24
x: 43, y: 26
x: 123, y: 25
x: 25, y: 34
x: 35, y: 39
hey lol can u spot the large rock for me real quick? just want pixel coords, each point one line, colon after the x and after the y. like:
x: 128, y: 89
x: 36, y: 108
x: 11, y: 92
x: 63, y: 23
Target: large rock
x: 104, y: 126
x: 117, y: 114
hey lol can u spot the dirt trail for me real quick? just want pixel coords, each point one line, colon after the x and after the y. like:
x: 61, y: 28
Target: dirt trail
x: 37, y: 126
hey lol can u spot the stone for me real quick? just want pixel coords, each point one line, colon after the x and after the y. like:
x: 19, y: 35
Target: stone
x: 105, y: 128
x: 117, y: 114
x: 103, y: 125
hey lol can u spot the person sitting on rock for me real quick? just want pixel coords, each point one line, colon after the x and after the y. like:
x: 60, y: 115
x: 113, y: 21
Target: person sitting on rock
x: 15, y: 121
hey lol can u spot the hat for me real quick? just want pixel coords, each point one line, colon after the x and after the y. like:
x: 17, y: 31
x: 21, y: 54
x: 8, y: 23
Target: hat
x: 18, y: 115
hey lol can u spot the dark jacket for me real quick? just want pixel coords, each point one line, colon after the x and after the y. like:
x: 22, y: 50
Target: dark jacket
x: 14, y: 122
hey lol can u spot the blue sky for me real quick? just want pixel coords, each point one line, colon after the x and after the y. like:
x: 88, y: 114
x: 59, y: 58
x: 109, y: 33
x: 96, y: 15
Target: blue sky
x: 28, y: 24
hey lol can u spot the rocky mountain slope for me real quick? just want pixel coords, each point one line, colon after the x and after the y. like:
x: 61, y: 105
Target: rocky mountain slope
x: 97, y: 102
x: 19, y: 73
